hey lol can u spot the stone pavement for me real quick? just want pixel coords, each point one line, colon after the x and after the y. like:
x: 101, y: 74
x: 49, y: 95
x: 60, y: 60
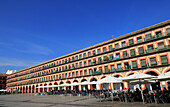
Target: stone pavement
x: 29, y: 100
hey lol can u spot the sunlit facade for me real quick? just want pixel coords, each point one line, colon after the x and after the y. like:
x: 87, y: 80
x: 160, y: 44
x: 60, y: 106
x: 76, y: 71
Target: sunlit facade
x: 145, y: 51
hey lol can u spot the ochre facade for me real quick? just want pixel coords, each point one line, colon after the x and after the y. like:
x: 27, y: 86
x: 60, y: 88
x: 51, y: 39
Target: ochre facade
x: 145, y: 51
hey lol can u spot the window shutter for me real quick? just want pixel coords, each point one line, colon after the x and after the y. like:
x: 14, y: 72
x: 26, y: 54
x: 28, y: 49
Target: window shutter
x: 124, y: 54
x: 131, y: 42
x: 132, y: 52
x: 148, y: 36
x: 141, y: 50
x: 164, y: 59
x: 134, y: 64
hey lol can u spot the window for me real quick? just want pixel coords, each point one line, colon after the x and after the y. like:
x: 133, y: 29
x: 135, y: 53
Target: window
x: 62, y: 75
x: 65, y: 60
x: 123, y: 44
x: 94, y: 61
x: 85, y: 72
x: 141, y: 51
x: 116, y: 46
x: 85, y: 64
x: 153, y: 61
x: 77, y: 73
x: 143, y: 63
x: 150, y: 48
x: 80, y: 56
x: 104, y: 49
x: 134, y: 64
x: 69, y: 67
x: 98, y: 51
x: 69, y: 74
x: 106, y: 58
x: 159, y: 34
x: 100, y: 69
x: 139, y: 39
x: 72, y: 58
x: 164, y: 60
x: 168, y: 31
x: 111, y: 57
x: 124, y: 54
x: 161, y: 45
x: 106, y: 69
x: 110, y: 48
x: 77, y: 65
x: 119, y: 67
x: 89, y: 53
x: 148, y: 36
x: 99, y: 60
x: 81, y: 73
x: 94, y: 52
x: 66, y: 75
x: 69, y: 59
x: 89, y: 61
x: 117, y: 55
x: 72, y: 66
x: 90, y: 71
x: 73, y: 74
x: 131, y: 42
x: 112, y: 68
x: 76, y: 57
x: 84, y: 55
x: 132, y: 52
x: 80, y: 64
x: 126, y: 66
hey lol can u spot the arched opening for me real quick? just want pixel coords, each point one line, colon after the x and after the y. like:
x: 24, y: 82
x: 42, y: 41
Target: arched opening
x: 61, y: 88
x: 155, y: 85
x: 26, y: 88
x: 33, y: 87
x: 36, y: 89
x: 23, y: 91
x: 20, y: 89
x: 68, y: 88
x: 41, y: 89
x: 118, y: 86
x: 131, y: 86
x: 29, y: 89
x: 93, y: 86
x: 55, y: 88
x: 45, y: 89
x: 50, y: 88
x: 75, y: 88
x: 84, y: 87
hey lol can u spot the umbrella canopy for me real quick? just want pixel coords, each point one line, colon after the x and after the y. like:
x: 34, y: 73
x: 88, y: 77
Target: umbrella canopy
x: 3, y: 90
x: 84, y: 83
x: 137, y: 76
x: 93, y: 82
x: 74, y: 84
x: 142, y: 81
x: 63, y: 85
x: 109, y: 79
x: 164, y: 77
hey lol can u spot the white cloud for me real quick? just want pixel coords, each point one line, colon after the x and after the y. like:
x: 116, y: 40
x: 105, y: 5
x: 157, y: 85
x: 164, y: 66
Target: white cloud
x: 29, y: 47
x: 16, y: 62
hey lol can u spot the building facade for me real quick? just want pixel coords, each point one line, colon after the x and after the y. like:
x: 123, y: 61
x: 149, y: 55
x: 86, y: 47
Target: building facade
x: 145, y: 51
x: 3, y: 81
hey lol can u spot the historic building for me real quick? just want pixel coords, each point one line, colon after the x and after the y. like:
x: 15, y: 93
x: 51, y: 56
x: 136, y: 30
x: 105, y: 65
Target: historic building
x: 145, y: 51
x: 3, y: 81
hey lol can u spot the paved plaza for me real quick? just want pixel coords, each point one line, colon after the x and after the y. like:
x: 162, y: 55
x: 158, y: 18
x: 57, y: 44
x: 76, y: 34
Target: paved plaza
x: 30, y: 100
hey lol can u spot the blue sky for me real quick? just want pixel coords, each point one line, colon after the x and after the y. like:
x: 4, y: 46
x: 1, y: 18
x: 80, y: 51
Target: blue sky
x: 34, y: 31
